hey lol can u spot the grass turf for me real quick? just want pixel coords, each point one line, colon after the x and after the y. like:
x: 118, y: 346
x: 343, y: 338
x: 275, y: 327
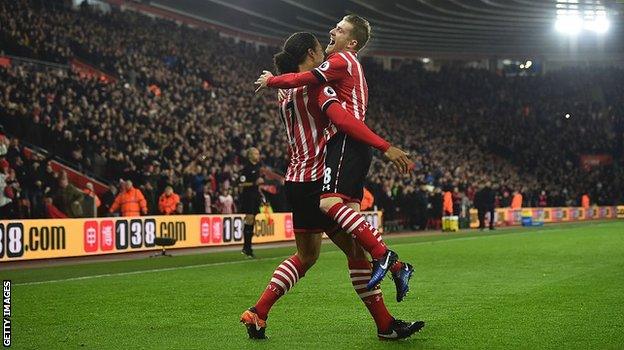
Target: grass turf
x: 554, y: 287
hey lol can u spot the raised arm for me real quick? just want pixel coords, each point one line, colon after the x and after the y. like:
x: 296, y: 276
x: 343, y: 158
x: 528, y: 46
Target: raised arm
x: 359, y: 131
x: 333, y: 69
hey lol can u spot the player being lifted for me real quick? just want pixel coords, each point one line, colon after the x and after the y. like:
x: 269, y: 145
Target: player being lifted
x: 348, y: 160
x: 305, y: 112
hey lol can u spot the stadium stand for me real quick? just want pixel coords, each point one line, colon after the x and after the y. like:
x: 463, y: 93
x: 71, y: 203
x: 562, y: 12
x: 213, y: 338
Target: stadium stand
x: 178, y: 109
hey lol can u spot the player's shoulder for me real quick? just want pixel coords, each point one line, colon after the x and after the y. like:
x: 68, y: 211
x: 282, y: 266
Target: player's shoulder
x: 343, y: 57
x: 335, y: 60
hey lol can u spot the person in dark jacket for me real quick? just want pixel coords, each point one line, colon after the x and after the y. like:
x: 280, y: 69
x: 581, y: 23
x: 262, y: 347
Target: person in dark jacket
x: 484, y: 202
x: 68, y: 198
x: 420, y: 204
x: 107, y: 200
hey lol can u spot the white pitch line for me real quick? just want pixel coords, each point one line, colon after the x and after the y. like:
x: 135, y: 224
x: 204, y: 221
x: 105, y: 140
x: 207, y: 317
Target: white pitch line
x: 144, y: 271
x: 261, y: 259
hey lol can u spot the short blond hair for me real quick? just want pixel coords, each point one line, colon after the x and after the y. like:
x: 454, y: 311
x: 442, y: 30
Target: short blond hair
x: 361, y: 31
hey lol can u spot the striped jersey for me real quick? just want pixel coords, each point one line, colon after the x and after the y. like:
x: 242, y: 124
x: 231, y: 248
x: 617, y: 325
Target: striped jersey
x: 344, y: 73
x: 301, y: 111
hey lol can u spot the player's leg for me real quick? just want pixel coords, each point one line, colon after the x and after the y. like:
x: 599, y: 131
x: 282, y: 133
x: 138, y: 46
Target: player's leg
x: 250, y: 206
x: 284, y: 278
x: 481, y: 215
x: 492, y: 217
x: 346, y: 166
x: 303, y: 198
x: 290, y: 271
x: 359, y: 273
x: 401, y: 272
x: 353, y: 223
x: 248, y: 229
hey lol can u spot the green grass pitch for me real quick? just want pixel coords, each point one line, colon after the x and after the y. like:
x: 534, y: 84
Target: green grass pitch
x: 560, y: 286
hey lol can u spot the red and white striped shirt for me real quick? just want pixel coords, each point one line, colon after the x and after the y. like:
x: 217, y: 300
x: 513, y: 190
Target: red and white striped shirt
x: 307, y: 106
x: 301, y: 112
x: 345, y: 74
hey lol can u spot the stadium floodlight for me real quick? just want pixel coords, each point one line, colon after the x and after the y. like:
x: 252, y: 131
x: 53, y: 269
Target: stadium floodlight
x: 570, y: 24
x: 599, y: 25
x: 573, y: 17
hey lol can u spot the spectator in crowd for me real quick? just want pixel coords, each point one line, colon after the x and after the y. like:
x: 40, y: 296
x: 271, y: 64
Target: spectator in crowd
x: 130, y: 201
x: 367, y: 200
x: 542, y: 200
x: 585, y: 201
x: 52, y: 211
x: 168, y: 201
x: 189, y: 202
x: 179, y: 209
x: 68, y: 198
x: 108, y: 198
x: 447, y: 202
x: 152, y: 199
x: 420, y: 206
x: 6, y: 207
x: 516, y: 201
x: 92, y: 201
x: 435, y: 209
x: 206, y: 200
x: 226, y: 202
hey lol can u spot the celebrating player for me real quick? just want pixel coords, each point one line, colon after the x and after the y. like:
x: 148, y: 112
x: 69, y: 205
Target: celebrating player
x: 304, y: 112
x: 348, y: 160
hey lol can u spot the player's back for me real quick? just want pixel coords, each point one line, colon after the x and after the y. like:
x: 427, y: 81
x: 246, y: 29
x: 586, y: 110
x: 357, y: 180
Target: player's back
x: 305, y: 126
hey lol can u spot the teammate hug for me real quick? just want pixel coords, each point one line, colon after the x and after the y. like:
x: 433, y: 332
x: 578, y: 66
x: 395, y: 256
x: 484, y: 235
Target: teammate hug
x: 322, y: 104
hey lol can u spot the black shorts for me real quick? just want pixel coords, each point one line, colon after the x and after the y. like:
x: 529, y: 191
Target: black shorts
x: 346, y: 166
x: 304, y: 199
x: 250, y: 203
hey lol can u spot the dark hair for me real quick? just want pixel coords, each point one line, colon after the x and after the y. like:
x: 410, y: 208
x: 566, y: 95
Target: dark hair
x: 361, y: 30
x: 294, y: 52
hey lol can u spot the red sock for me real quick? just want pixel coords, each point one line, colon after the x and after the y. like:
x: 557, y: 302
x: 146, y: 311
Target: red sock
x: 354, y: 223
x: 283, y: 279
x: 360, y: 272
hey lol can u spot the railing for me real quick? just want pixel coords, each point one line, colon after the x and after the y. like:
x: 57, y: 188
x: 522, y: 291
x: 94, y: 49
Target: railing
x: 36, y: 62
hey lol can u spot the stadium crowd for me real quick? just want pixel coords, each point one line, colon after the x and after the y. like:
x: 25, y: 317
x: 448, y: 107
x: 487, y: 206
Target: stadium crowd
x: 182, y: 110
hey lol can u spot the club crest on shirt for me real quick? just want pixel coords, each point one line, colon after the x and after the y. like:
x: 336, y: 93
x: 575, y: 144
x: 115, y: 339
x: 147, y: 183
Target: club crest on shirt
x: 329, y: 91
x: 324, y: 66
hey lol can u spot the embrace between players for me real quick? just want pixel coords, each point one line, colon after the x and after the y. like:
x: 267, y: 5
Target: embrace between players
x: 323, y: 106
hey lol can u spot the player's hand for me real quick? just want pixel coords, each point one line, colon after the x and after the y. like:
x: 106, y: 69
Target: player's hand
x: 260, y: 181
x: 400, y: 159
x: 262, y: 80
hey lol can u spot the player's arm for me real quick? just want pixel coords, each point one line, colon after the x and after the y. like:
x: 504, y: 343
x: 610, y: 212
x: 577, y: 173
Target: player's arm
x: 333, y: 69
x: 359, y: 131
x: 286, y: 81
